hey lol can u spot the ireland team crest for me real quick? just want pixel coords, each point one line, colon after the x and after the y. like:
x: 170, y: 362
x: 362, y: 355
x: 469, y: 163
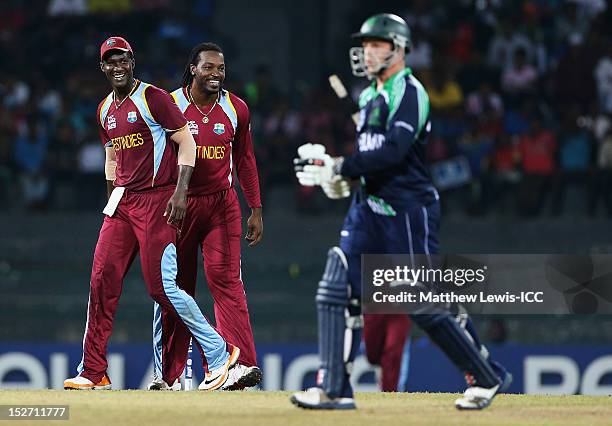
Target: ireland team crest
x: 131, y: 117
x: 219, y: 128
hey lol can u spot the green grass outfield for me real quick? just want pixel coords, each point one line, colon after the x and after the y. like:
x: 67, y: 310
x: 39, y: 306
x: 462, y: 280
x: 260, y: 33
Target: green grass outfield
x: 273, y: 408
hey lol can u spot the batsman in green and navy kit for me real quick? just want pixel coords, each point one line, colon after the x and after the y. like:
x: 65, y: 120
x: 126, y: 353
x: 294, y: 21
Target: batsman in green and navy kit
x: 395, y: 210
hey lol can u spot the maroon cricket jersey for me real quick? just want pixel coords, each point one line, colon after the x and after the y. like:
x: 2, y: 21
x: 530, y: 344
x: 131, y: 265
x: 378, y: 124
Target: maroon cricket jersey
x: 224, y: 143
x: 138, y: 129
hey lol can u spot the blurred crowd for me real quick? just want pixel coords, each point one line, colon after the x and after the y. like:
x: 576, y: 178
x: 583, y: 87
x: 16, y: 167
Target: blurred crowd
x: 520, y: 91
x: 521, y: 98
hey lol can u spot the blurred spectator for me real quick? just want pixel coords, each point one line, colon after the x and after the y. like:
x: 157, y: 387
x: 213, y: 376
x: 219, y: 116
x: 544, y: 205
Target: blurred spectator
x: 504, y: 174
x: 6, y: 169
x: 571, y: 21
x: 63, y: 165
x: 444, y: 92
x: 29, y: 156
x: 520, y: 78
x: 518, y: 121
x: 420, y: 55
x: 281, y: 132
x: 575, y: 145
x: 483, y: 99
x: 49, y: 101
x: 603, y: 76
x: 602, y: 181
x: 474, y: 72
x: 449, y: 129
x: 537, y: 154
x: 463, y: 40
x: 574, y: 81
x: 109, y: 6
x: 597, y: 121
x: 67, y: 7
x: 422, y: 15
x: 262, y: 94
x: 497, y: 332
x: 17, y: 93
x: 503, y: 46
x: 91, y: 182
x: 476, y: 146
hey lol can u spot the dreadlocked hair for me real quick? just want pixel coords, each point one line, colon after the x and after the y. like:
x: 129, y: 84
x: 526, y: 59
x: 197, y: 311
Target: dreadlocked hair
x: 194, y: 58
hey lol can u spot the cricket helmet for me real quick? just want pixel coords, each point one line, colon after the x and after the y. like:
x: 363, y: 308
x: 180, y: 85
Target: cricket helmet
x: 383, y: 26
x: 386, y: 26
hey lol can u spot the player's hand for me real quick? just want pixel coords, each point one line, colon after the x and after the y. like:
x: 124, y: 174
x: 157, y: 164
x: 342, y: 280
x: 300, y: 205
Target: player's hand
x: 311, y: 150
x: 176, y: 207
x: 254, y: 227
x: 313, y: 166
x: 336, y: 188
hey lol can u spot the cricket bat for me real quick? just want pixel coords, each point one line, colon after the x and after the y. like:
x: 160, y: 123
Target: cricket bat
x: 348, y: 103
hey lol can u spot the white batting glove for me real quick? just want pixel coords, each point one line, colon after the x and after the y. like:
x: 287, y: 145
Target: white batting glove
x: 314, y: 166
x: 311, y: 150
x: 336, y: 188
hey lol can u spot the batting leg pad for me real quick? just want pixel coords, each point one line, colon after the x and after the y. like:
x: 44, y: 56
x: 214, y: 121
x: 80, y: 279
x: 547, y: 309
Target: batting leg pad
x: 465, y: 322
x: 444, y: 330
x: 340, y: 324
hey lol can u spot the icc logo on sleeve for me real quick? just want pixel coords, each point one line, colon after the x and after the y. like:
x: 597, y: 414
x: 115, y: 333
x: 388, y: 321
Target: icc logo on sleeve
x: 193, y: 127
x: 131, y: 117
x: 111, y: 123
x: 219, y: 128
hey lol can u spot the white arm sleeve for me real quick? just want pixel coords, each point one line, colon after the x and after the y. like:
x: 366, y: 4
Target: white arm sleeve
x: 110, y: 165
x: 186, y: 147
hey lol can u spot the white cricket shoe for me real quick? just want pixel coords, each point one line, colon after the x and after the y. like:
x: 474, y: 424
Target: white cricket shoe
x: 160, y: 384
x: 216, y: 378
x: 241, y: 377
x: 316, y: 399
x: 476, y: 398
x: 81, y: 383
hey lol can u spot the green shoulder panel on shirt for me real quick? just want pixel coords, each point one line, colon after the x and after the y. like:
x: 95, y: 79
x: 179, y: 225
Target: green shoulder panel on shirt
x: 366, y: 95
x: 423, y: 103
x: 396, y: 88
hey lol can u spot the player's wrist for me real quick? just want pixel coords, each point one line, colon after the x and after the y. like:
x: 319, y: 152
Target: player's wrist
x: 180, y: 191
x: 337, y: 166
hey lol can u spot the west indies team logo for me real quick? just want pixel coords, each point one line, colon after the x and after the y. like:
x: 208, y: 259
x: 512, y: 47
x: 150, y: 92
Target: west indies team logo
x: 219, y: 128
x: 110, y: 42
x: 131, y: 117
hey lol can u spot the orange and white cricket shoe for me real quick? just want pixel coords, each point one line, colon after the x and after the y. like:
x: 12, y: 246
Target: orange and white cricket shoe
x: 81, y: 383
x: 216, y: 378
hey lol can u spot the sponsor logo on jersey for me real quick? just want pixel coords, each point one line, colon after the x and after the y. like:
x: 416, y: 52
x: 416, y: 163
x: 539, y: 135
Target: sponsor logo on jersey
x: 219, y: 128
x: 111, y: 123
x: 210, y: 152
x: 131, y: 117
x: 370, y: 141
x: 127, y: 142
x: 380, y: 206
x: 193, y: 127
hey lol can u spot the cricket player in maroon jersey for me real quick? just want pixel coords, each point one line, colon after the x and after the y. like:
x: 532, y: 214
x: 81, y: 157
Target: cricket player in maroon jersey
x: 385, y: 338
x: 220, y: 123
x: 139, y: 125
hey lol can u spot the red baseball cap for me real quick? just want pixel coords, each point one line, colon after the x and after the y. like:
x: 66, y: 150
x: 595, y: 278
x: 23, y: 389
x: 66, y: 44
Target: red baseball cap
x: 115, y: 43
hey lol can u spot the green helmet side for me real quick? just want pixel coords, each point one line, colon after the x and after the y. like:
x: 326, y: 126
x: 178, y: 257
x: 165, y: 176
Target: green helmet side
x: 386, y: 26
